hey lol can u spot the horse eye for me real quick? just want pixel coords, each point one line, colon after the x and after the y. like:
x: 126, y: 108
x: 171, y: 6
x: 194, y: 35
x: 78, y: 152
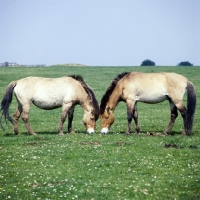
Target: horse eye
x: 107, y: 117
x: 91, y: 118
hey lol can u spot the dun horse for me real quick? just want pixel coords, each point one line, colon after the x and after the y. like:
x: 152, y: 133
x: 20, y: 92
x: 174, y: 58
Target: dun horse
x: 148, y: 88
x: 49, y: 93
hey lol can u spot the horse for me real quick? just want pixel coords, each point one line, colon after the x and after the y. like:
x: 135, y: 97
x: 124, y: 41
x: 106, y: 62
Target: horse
x: 152, y: 88
x: 48, y: 94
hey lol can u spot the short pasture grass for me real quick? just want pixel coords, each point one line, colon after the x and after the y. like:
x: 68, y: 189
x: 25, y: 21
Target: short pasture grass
x: 112, y: 166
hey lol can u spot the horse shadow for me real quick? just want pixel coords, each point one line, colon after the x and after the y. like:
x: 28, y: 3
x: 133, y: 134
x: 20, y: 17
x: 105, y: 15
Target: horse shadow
x: 40, y: 133
x: 141, y: 133
x: 147, y: 133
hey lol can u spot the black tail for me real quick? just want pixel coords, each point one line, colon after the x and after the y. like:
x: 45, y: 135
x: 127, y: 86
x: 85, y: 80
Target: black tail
x: 191, y: 105
x: 5, y: 103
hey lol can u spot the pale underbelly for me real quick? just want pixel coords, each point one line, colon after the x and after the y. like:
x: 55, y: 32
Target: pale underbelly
x: 152, y: 99
x: 47, y: 105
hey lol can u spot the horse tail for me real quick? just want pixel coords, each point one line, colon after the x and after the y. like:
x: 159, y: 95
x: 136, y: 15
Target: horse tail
x: 5, y: 103
x: 191, y: 105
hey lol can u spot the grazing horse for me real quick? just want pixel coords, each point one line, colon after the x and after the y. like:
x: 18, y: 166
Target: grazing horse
x: 51, y: 93
x: 133, y: 87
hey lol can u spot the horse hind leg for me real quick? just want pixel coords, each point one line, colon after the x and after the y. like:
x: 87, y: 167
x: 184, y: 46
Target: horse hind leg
x: 180, y: 106
x: 16, y: 117
x: 174, y: 115
x: 183, y: 112
x: 24, y: 116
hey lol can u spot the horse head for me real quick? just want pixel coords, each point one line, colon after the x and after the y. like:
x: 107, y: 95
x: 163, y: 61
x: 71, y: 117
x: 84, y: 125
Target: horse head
x: 89, y: 120
x: 108, y: 103
x: 89, y: 104
x: 107, y: 119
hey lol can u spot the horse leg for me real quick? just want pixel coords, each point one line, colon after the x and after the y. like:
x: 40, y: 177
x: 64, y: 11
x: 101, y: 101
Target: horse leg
x: 183, y: 111
x: 174, y: 115
x: 65, y: 109
x: 180, y: 106
x: 70, y: 119
x: 16, y: 117
x: 24, y: 116
x: 130, y: 113
x: 135, y: 117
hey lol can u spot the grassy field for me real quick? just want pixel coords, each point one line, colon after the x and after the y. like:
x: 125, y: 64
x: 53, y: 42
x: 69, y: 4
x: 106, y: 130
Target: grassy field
x: 112, y: 166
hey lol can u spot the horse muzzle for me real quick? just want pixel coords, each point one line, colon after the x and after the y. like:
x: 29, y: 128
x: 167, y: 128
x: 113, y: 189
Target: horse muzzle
x: 104, y: 130
x: 90, y: 130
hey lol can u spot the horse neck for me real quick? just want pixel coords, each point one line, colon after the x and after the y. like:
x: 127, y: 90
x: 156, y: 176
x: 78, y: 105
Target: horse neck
x: 114, y: 99
x: 85, y: 103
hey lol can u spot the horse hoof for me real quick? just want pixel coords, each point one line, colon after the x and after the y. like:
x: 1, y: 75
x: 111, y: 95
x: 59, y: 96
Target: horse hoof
x: 33, y: 134
x: 165, y: 133
x: 72, y: 132
x: 183, y: 134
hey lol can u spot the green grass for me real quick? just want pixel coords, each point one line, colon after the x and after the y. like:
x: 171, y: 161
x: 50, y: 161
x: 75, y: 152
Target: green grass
x: 112, y: 166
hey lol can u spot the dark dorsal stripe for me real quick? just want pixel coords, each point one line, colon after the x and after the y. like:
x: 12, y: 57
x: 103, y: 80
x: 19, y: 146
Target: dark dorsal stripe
x: 109, y: 91
x: 89, y: 92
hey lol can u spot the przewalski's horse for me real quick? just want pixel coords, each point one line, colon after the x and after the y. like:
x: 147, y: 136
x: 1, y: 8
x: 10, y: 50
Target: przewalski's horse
x: 133, y: 87
x: 51, y: 93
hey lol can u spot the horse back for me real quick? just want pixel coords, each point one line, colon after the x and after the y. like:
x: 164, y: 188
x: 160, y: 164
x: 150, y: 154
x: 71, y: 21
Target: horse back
x: 46, y: 93
x: 152, y: 87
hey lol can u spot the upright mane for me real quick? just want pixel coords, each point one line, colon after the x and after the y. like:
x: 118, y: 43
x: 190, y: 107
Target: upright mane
x: 89, y: 92
x: 109, y: 91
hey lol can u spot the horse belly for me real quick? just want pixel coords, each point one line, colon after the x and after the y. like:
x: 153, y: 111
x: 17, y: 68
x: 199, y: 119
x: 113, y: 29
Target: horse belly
x: 47, y: 105
x: 152, y: 98
x: 47, y: 102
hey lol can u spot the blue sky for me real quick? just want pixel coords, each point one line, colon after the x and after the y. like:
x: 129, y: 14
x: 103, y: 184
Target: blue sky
x: 99, y: 32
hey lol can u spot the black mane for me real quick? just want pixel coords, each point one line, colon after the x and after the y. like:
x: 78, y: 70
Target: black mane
x: 109, y: 91
x: 89, y: 91
x: 78, y: 78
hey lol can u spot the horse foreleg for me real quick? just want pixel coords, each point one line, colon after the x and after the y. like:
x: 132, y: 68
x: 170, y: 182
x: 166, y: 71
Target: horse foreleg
x: 65, y: 109
x: 130, y: 113
x: 174, y: 115
x: 129, y: 118
x: 24, y: 116
x: 70, y: 119
x: 16, y: 117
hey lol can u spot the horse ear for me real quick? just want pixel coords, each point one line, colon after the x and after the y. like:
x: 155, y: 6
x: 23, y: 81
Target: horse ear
x: 108, y: 109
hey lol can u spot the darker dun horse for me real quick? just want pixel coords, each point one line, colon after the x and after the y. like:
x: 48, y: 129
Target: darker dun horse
x: 51, y: 93
x: 148, y: 88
